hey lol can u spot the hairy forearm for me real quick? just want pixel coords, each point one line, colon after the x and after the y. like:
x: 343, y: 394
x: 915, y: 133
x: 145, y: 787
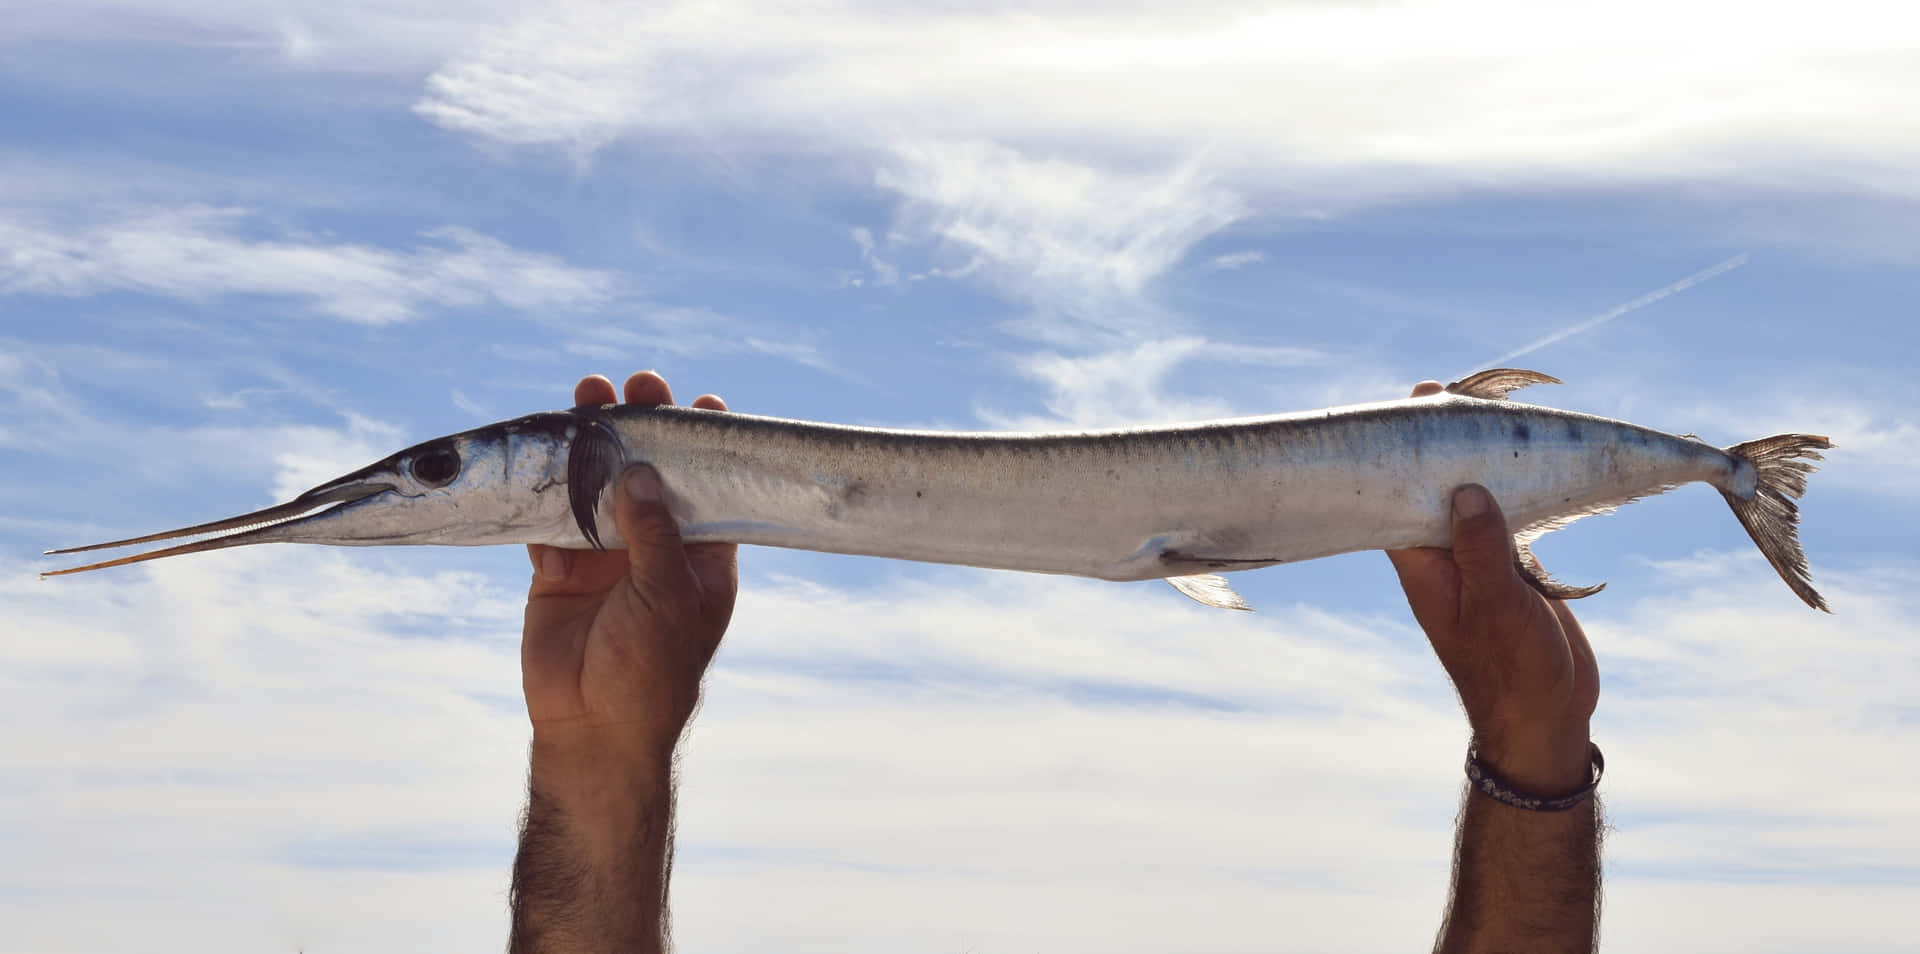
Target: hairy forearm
x: 595, y: 849
x: 1526, y: 880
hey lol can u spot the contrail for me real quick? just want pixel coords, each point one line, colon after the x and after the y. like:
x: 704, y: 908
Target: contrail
x: 1634, y: 305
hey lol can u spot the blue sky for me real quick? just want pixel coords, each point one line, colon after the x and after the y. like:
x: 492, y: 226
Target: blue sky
x: 246, y: 247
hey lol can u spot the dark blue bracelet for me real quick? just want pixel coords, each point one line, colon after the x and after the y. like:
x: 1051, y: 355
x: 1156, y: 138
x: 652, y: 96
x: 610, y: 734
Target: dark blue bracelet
x: 1490, y: 785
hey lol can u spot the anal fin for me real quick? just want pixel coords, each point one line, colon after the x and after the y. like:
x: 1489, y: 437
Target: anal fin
x: 1537, y: 575
x: 1524, y: 538
x: 1211, y: 589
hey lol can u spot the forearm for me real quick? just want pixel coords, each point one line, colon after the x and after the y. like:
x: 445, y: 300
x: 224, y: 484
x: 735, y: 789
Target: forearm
x: 595, y: 848
x: 1526, y: 880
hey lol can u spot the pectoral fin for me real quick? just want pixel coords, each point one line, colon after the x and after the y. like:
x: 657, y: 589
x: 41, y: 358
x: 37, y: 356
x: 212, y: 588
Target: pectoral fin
x: 593, y: 461
x: 1211, y: 589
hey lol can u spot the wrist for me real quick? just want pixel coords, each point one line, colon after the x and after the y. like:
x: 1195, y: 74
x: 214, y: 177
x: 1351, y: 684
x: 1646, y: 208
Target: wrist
x: 1538, y: 760
x: 609, y: 792
x: 634, y: 739
x: 579, y: 760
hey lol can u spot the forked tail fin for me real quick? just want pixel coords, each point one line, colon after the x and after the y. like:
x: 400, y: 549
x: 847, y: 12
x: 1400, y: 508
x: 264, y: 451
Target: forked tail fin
x: 1772, y: 519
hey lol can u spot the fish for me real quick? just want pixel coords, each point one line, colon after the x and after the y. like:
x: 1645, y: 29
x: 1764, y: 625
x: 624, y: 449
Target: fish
x: 1183, y: 503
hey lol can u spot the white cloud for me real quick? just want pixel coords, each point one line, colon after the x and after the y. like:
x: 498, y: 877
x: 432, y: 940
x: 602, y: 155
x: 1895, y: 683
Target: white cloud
x: 1128, y: 386
x: 60, y: 425
x: 401, y: 37
x: 1079, y: 248
x: 1078, y: 244
x: 1052, y: 740
x: 884, y: 272
x: 1874, y: 443
x: 189, y: 736
x: 38, y: 409
x: 1099, y: 764
x: 200, y: 253
x: 469, y: 406
x: 305, y: 457
x: 1344, y: 99
x: 1234, y: 261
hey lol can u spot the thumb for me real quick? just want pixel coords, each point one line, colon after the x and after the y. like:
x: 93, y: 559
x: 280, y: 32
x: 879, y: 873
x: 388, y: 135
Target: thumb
x: 656, y: 559
x: 1482, y: 547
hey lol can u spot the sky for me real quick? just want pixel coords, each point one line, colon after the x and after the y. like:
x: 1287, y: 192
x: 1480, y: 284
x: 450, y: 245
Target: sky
x: 246, y: 247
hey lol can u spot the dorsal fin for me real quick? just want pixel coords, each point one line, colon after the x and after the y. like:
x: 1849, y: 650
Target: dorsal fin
x: 1211, y: 589
x: 1495, y: 384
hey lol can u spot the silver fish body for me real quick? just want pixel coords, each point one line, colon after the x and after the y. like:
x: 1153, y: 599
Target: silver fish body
x: 1117, y: 505
x: 1140, y: 504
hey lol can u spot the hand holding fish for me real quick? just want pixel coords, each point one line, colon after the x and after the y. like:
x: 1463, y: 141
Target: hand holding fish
x: 616, y: 640
x: 614, y: 649
x: 1524, y: 670
x: 1520, y: 661
x: 1529, y: 682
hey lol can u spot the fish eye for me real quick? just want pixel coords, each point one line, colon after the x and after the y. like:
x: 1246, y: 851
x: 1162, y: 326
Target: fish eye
x: 436, y: 468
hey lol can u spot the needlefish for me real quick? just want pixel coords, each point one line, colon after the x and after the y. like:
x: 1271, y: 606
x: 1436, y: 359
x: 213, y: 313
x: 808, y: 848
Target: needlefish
x: 1182, y: 503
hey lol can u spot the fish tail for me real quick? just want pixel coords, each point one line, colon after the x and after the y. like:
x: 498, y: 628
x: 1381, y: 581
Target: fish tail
x: 1780, y: 465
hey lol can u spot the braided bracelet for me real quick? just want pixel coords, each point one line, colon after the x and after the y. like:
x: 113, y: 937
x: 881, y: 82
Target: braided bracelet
x: 1492, y: 786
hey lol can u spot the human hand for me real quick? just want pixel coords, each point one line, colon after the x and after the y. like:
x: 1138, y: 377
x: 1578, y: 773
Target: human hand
x: 616, y: 643
x: 1524, y: 670
x: 611, y: 658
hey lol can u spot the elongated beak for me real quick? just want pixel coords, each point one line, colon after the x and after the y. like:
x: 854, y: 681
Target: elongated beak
x: 328, y: 513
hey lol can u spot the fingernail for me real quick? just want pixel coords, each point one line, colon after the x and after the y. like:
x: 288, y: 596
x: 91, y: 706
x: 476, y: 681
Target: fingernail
x: 1470, y: 501
x: 643, y: 485
x: 555, y: 564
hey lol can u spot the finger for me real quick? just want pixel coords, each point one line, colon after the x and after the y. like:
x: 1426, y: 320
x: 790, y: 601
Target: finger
x: 648, y: 388
x: 656, y: 558
x: 716, y: 566
x: 1564, y: 613
x: 593, y: 389
x: 587, y: 571
x: 1432, y: 584
x: 1427, y: 388
x: 711, y: 402
x: 550, y: 564
x: 1419, y: 567
x: 1482, y: 547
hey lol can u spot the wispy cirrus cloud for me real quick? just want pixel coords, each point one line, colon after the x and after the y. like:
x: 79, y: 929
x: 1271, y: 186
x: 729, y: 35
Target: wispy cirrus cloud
x: 1078, y: 244
x: 689, y: 331
x: 54, y: 418
x: 1234, y: 261
x: 201, y: 253
x: 1130, y: 386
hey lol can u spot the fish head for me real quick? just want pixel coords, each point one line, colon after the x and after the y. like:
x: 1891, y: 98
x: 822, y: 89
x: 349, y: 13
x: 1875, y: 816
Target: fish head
x: 502, y: 483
